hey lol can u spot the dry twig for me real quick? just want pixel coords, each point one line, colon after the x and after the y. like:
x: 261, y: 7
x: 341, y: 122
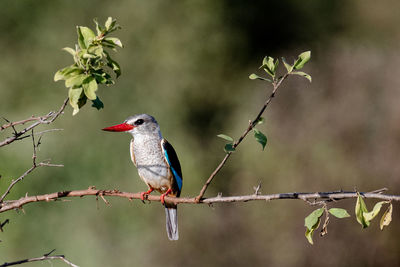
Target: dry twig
x: 18, y: 135
x: 46, y: 256
x: 34, y: 166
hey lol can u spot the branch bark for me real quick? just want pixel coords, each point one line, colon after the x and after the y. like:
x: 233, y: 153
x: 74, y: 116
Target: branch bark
x: 309, y: 197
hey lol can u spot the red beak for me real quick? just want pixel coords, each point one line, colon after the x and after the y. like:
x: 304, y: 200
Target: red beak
x: 123, y: 127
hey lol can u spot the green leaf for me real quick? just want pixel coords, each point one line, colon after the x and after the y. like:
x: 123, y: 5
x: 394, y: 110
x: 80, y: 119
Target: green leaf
x: 59, y: 76
x: 81, y: 39
x: 75, y: 81
x: 386, y: 217
x: 288, y: 67
x: 311, y: 222
x: 312, y: 219
x: 254, y: 76
x: 368, y: 216
x: 69, y: 50
x: 113, y: 65
x: 99, y: 29
x: 85, y: 36
x: 108, y: 23
x: 268, y: 62
x: 310, y: 232
x: 99, y: 78
x: 116, y: 68
x: 89, y: 86
x: 339, y: 213
x: 305, y: 75
x: 276, y: 65
x: 302, y: 59
x: 360, y: 209
x: 74, y: 96
x: 260, y: 137
x: 96, y: 50
x: 97, y: 103
x: 229, y: 148
x: 269, y: 66
x: 226, y: 137
x: 114, y: 41
x: 67, y: 72
x: 88, y: 55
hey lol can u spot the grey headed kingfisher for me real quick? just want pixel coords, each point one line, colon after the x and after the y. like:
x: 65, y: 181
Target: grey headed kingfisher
x: 156, y: 162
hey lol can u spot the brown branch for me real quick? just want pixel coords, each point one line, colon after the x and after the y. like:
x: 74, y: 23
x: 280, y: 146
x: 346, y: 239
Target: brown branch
x: 47, y: 119
x: 46, y: 256
x: 11, y: 124
x: 252, y: 124
x: 322, y: 196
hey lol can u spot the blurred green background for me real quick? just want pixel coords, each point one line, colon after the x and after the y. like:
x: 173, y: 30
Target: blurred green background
x: 187, y: 63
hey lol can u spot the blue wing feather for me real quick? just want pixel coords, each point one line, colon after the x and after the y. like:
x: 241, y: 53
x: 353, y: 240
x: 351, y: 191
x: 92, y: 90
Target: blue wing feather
x: 173, y: 162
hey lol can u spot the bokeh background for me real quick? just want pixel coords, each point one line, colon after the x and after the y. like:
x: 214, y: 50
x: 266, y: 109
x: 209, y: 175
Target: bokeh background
x: 187, y: 63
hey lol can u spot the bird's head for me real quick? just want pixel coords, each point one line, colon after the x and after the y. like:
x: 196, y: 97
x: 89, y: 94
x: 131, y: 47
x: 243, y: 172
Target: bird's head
x: 137, y: 124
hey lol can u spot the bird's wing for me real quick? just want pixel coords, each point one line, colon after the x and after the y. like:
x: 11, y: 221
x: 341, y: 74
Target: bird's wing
x: 173, y: 162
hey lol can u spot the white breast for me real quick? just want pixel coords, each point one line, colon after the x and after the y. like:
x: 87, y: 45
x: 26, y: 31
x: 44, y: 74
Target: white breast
x: 150, y: 162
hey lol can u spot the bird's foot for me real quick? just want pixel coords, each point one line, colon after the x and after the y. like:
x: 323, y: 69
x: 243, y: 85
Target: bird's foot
x: 165, y: 194
x: 145, y: 194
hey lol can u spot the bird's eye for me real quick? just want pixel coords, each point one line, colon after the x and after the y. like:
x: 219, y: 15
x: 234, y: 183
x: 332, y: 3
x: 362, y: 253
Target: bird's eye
x: 139, y: 121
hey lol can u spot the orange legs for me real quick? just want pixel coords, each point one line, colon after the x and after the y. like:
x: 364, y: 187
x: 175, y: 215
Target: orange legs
x: 143, y: 194
x: 165, y: 194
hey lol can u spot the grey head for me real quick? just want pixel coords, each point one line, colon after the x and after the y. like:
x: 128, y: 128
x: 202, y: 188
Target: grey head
x: 143, y: 124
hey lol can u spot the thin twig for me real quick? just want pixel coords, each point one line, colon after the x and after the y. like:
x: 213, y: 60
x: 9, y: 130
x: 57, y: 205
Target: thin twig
x: 3, y: 223
x: 34, y: 166
x: 320, y: 196
x: 47, y: 119
x: 46, y: 256
x: 276, y: 84
x: 10, y: 124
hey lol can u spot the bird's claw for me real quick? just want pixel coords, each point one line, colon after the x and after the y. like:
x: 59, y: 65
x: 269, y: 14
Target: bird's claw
x: 144, y: 195
x: 163, y: 196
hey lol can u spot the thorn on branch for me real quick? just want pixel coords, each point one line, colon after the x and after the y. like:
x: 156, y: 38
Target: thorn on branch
x: 3, y: 223
x: 257, y: 189
x: 379, y: 191
x: 105, y: 200
x: 48, y: 254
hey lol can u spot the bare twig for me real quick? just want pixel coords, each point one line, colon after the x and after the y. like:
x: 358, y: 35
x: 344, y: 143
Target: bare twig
x: 47, y: 119
x: 276, y: 84
x: 3, y: 223
x: 46, y: 256
x: 11, y: 124
x: 34, y: 166
x: 321, y: 196
x: 324, y: 229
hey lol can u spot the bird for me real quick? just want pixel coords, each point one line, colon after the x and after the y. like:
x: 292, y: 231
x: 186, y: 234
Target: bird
x: 156, y: 162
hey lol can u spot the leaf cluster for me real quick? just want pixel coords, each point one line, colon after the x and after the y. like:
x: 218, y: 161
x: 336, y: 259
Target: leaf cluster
x: 364, y: 217
x: 92, y: 64
x: 270, y: 66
